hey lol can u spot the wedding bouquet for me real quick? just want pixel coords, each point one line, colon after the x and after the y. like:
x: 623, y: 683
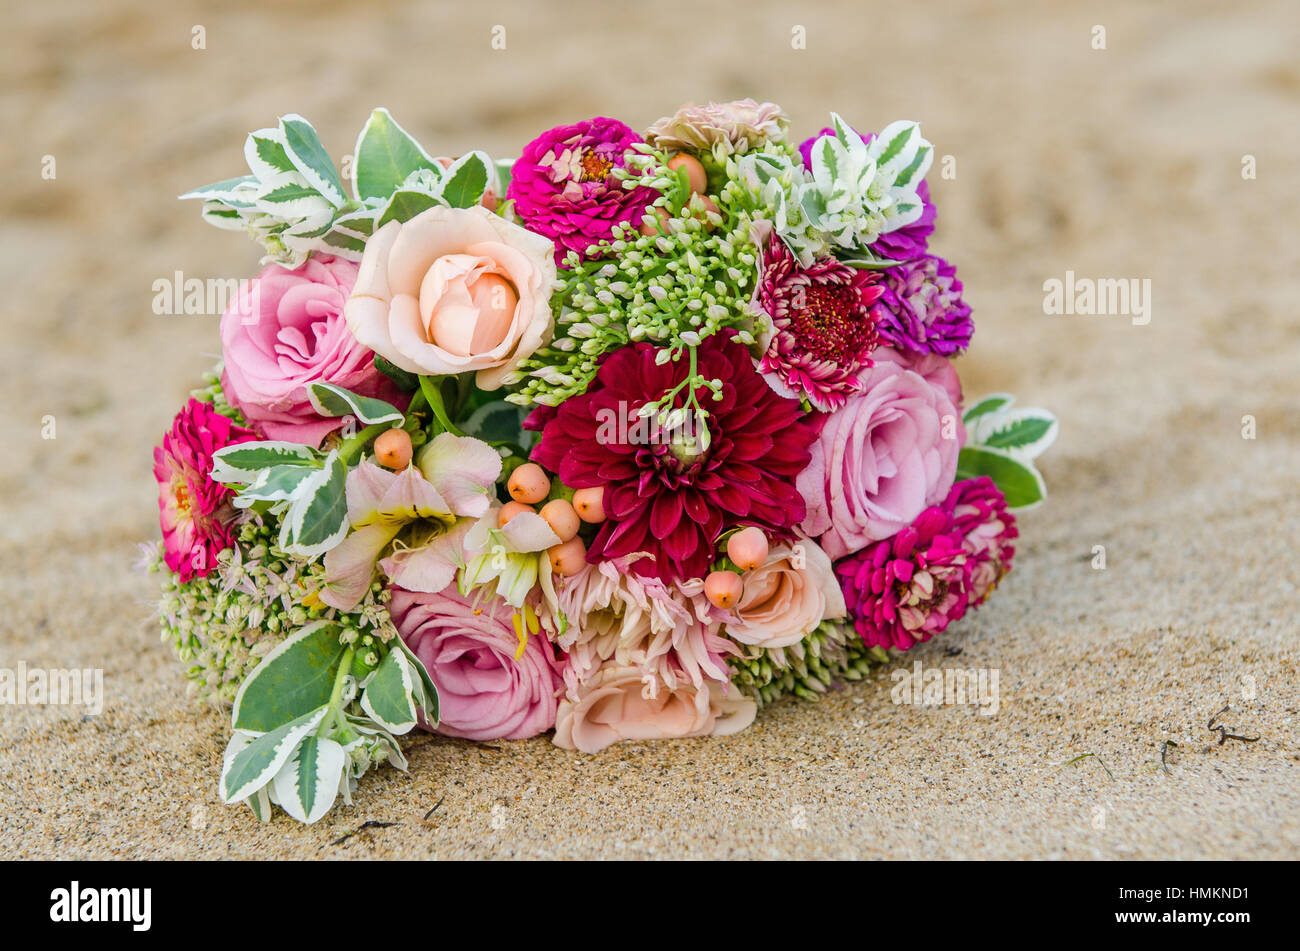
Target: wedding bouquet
x: 622, y: 439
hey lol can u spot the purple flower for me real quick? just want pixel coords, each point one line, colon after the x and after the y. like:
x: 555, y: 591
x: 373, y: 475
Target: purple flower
x: 905, y: 243
x: 922, y: 311
x: 563, y: 185
x: 905, y: 589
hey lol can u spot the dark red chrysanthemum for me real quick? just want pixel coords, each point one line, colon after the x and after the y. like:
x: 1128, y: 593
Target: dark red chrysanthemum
x: 662, y: 494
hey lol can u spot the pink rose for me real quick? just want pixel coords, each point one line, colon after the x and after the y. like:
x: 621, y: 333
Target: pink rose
x: 468, y: 646
x: 615, y: 705
x: 937, y: 370
x: 787, y: 596
x: 882, y: 458
x: 285, y: 330
x: 454, y: 290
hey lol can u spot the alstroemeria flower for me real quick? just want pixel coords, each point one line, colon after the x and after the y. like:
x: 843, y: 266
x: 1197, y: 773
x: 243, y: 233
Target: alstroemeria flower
x: 413, y: 522
x: 509, y: 555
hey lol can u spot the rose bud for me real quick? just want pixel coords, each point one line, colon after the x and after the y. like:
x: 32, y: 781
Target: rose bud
x: 747, y: 548
x: 510, y: 510
x: 529, y: 483
x: 648, y: 229
x: 723, y: 589
x: 590, y: 504
x: 393, y: 449
x: 568, y: 559
x: 563, y: 519
x: 694, y: 171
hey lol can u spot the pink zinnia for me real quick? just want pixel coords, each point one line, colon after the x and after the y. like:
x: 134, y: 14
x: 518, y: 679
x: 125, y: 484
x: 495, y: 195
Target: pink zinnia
x: 195, y: 512
x: 905, y: 589
x: 563, y: 185
x: 979, y: 511
x: 824, y: 328
x: 670, y: 499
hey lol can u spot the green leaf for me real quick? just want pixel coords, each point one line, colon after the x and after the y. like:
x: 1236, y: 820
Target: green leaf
x: 331, y: 400
x: 218, y: 191
x: 265, y: 153
x: 497, y: 421
x: 309, y: 157
x: 505, y: 172
x: 430, y: 704
x: 257, y: 762
x: 1020, y: 432
x: 405, y: 205
x: 406, y: 382
x: 276, y: 484
x: 866, y: 259
x: 897, y: 143
x: 297, y: 676
x: 243, y: 462
x: 385, y: 155
x: 290, y: 192
x: 1016, y: 478
x: 387, y: 697
x: 344, y: 242
x: 308, y: 783
x: 987, y: 404
x: 317, y: 517
x: 466, y: 180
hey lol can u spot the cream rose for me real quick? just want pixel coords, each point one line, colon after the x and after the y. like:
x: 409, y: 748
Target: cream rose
x: 614, y: 706
x: 454, y: 290
x: 787, y: 596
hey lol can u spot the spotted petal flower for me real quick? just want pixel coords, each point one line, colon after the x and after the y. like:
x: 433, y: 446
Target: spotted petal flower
x: 413, y: 522
x: 823, y: 326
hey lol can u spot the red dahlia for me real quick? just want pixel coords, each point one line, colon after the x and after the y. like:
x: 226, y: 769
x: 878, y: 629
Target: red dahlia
x: 663, y: 495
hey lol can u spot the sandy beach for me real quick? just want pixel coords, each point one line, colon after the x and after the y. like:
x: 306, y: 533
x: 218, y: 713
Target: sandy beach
x: 1170, y: 156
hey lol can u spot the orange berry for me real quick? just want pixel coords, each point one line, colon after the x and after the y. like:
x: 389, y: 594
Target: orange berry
x: 723, y: 589
x: 562, y: 518
x: 529, y: 483
x: 510, y: 510
x: 747, y: 548
x: 393, y: 449
x: 590, y: 504
x: 569, y: 558
x: 694, y: 171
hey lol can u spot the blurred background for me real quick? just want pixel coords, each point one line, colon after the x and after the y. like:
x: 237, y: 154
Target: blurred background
x: 1121, y: 140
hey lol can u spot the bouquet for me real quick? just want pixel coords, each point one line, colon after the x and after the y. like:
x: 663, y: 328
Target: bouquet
x: 621, y: 439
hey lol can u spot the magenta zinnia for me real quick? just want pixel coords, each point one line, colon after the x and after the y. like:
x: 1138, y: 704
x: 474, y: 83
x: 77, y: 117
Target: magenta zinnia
x: 194, y: 511
x: 563, y: 184
x: 823, y: 326
x: 905, y: 589
x: 979, y: 511
x: 665, y: 497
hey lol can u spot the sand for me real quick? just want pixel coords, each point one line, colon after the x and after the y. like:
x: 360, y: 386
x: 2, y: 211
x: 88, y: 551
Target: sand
x: 1117, y: 163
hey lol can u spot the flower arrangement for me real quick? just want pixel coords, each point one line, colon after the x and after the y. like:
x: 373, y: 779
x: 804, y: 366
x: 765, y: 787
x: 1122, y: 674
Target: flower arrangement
x: 622, y: 440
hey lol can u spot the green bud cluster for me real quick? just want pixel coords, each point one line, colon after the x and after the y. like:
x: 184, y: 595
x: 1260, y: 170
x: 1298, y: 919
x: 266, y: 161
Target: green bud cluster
x: 692, y: 278
x: 222, y: 624
x: 831, y: 653
x: 211, y: 392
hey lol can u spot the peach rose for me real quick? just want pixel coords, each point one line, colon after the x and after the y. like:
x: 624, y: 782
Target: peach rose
x: 612, y: 706
x: 787, y: 596
x: 454, y: 290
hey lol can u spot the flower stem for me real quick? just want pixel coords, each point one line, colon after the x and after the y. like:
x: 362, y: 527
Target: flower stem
x: 352, y: 446
x: 433, y: 393
x: 335, y: 715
